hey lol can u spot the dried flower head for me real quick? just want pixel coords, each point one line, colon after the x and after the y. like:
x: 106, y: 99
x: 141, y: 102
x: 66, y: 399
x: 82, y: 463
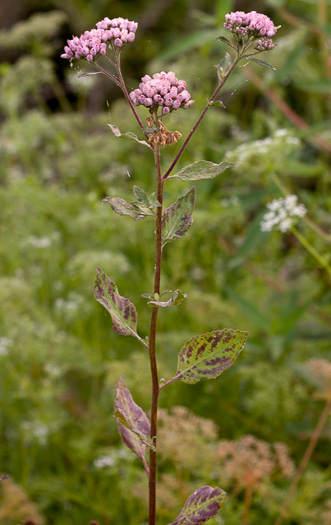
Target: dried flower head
x: 252, y: 26
x: 250, y: 461
x: 162, y: 137
x: 91, y: 44
x: 185, y: 438
x: 282, y: 214
x: 16, y: 507
x: 163, y: 91
x: 321, y: 368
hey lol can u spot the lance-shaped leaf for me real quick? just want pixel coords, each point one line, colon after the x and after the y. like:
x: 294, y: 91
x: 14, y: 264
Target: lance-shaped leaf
x: 132, y: 422
x: 261, y: 63
x: 128, y: 136
x: 176, y: 299
x: 122, y: 207
x: 201, y: 506
x: 208, y: 355
x: 177, y: 219
x: 225, y: 41
x: 201, y: 169
x: 122, y: 311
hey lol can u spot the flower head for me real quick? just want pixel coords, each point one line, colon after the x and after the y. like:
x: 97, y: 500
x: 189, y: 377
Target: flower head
x: 162, y: 90
x: 282, y: 213
x: 91, y: 44
x: 251, y: 25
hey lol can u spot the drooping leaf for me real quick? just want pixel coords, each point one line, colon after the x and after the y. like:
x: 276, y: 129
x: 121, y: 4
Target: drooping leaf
x: 262, y: 63
x: 208, y: 355
x: 201, y: 169
x: 201, y: 506
x: 122, y: 207
x: 122, y: 311
x: 225, y: 41
x: 128, y: 136
x: 132, y: 422
x: 177, y: 219
x: 176, y: 299
x: 135, y: 210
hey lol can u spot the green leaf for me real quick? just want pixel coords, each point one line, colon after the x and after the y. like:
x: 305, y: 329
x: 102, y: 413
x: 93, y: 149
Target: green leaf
x: 225, y: 41
x: 251, y: 311
x: 132, y: 422
x: 217, y: 103
x: 140, y: 195
x: 201, y: 169
x: 128, y: 136
x: 321, y: 85
x: 187, y: 43
x: 177, y: 219
x: 175, y: 300
x: 223, y: 66
x: 122, y: 311
x: 201, y: 506
x: 133, y: 210
x: 208, y: 355
x: 261, y: 63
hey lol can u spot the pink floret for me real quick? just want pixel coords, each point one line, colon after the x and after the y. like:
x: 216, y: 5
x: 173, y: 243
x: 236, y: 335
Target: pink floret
x: 162, y: 90
x: 252, y: 24
x: 91, y: 44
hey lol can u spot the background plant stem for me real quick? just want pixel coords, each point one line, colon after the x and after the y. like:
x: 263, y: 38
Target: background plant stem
x: 304, y: 462
x: 152, y: 340
x: 247, y: 504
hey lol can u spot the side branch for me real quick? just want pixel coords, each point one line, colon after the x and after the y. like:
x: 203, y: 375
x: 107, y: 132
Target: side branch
x: 204, y: 111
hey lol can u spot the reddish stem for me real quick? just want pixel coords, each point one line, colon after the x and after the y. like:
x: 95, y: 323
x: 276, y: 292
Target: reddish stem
x: 304, y: 462
x: 152, y: 340
x: 247, y: 504
x: 204, y: 111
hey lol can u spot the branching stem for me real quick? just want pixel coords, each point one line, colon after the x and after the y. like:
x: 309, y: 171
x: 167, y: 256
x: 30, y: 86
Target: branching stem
x: 204, y: 111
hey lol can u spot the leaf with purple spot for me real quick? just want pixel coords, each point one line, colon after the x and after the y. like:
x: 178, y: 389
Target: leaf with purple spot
x: 132, y: 422
x: 177, y: 219
x: 201, y: 506
x: 208, y: 355
x: 201, y: 169
x: 122, y: 311
x: 135, y: 210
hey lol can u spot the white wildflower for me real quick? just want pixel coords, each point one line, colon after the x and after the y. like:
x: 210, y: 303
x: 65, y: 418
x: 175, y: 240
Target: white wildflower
x: 103, y: 461
x: 37, y: 430
x: 4, y: 345
x: 282, y: 214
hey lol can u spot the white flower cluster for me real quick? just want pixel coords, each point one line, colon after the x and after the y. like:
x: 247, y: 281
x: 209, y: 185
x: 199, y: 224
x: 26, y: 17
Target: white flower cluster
x: 282, y: 213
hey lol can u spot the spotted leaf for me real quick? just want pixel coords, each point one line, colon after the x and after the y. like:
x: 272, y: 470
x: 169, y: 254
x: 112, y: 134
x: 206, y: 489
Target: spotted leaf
x: 177, y: 219
x: 202, y: 169
x: 135, y: 210
x: 122, y: 311
x: 132, y: 422
x: 208, y: 355
x: 201, y: 506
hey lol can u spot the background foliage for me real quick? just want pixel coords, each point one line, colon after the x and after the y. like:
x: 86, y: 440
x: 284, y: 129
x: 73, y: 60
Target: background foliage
x: 59, y: 359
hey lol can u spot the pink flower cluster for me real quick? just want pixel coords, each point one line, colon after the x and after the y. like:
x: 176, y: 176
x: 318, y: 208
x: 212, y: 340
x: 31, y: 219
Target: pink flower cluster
x: 164, y: 90
x: 89, y: 45
x: 254, y: 25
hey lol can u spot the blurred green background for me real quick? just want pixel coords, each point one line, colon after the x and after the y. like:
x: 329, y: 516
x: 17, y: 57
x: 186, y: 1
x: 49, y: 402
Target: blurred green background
x: 59, y: 358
